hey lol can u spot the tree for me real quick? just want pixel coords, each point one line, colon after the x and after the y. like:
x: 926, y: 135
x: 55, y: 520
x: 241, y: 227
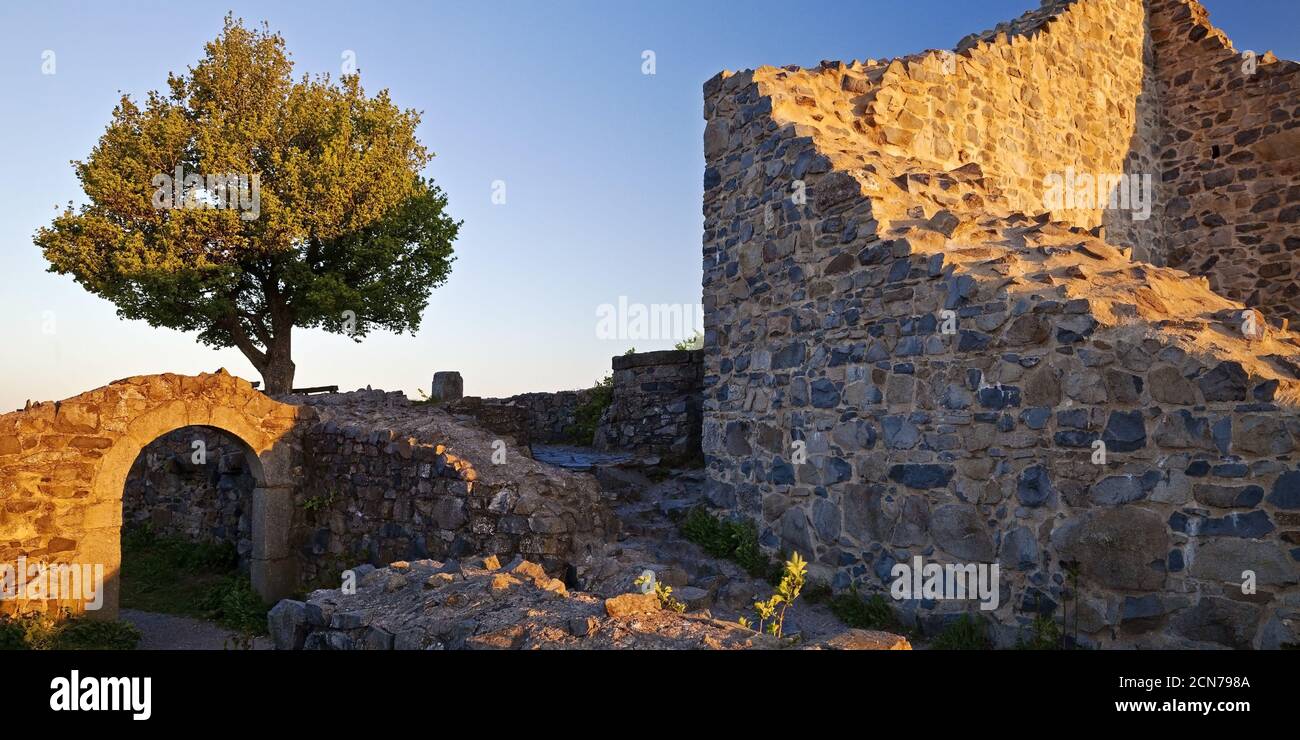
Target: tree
x: 243, y: 203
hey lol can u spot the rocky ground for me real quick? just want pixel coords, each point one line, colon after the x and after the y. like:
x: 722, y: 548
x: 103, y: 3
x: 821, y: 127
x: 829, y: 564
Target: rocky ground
x: 485, y: 604
x: 650, y: 540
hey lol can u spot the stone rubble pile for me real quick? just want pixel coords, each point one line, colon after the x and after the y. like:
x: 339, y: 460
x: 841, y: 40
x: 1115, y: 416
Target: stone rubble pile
x: 481, y: 604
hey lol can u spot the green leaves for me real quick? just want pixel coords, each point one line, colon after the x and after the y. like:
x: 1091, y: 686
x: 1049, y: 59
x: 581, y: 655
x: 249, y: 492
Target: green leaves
x: 774, y: 608
x: 340, y: 219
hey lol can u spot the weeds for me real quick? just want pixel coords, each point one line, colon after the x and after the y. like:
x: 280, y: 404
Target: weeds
x: 62, y: 631
x: 1045, y: 634
x: 663, y: 592
x: 965, y: 633
x: 172, y: 576
x: 318, y: 503
x: 874, y: 613
x: 735, y: 540
x: 771, y: 613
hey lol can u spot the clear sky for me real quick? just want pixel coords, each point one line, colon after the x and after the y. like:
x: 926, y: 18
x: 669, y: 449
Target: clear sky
x: 602, y: 164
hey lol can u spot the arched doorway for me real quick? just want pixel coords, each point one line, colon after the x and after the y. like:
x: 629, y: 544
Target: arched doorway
x: 64, y: 465
x: 187, y: 535
x: 270, y: 565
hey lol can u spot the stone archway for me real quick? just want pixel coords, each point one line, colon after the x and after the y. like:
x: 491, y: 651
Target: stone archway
x: 63, y: 467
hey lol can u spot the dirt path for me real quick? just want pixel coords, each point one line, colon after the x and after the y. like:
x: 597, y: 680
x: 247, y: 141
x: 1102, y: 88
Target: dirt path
x: 170, y: 632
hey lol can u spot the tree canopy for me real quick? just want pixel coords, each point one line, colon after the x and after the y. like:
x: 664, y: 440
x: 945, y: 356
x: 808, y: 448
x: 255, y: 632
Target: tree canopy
x: 241, y: 203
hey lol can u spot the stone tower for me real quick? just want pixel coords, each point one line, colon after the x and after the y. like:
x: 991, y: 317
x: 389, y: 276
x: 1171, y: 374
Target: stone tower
x: 997, y: 305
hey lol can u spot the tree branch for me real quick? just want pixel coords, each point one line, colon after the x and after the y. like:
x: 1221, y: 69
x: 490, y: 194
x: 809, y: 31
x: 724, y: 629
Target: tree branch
x: 245, y: 345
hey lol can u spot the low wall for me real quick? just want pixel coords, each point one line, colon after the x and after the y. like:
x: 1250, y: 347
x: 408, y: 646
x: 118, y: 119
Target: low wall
x: 656, y: 405
x: 392, y: 480
x: 550, y: 415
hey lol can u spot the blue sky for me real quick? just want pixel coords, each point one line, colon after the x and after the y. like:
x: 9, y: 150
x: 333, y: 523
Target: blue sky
x: 602, y: 164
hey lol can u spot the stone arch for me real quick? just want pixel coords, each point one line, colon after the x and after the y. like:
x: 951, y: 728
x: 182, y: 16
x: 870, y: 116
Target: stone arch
x: 63, y: 467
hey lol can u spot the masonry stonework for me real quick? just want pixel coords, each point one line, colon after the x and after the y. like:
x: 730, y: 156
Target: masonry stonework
x: 1229, y: 161
x: 393, y: 480
x: 907, y: 354
x: 64, y: 466
x: 656, y: 404
x: 193, y: 484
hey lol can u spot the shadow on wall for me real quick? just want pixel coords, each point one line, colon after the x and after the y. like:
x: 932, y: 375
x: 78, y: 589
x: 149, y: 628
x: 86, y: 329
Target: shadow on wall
x: 194, y: 484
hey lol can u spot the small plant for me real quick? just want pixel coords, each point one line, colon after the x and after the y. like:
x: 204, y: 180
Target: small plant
x: 874, y: 613
x: 696, y: 341
x: 963, y: 634
x: 771, y: 613
x: 663, y: 592
x: 63, y: 631
x: 1045, y: 634
x: 318, y: 503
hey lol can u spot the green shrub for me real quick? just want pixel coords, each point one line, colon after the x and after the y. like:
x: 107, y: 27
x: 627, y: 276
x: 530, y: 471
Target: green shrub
x: 234, y: 604
x: 818, y: 592
x: 60, y: 631
x: 733, y: 539
x: 874, y: 613
x: 586, y: 417
x: 964, y: 634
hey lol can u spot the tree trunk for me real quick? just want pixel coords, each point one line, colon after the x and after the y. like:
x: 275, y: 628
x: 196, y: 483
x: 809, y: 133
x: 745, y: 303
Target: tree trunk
x: 278, y: 368
x: 277, y: 375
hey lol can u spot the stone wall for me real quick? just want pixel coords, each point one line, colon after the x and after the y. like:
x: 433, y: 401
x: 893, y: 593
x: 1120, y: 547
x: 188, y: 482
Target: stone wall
x: 392, y: 480
x: 550, y: 415
x: 656, y: 404
x: 906, y: 356
x: 1229, y: 161
x: 64, y: 466
x: 208, y: 501
x: 512, y: 420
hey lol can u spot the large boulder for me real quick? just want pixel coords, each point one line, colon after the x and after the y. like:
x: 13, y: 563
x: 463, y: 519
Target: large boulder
x: 287, y: 623
x: 959, y: 531
x: 1233, y: 560
x: 1122, y: 547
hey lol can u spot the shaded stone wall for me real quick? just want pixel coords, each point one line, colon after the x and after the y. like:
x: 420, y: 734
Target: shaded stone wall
x: 392, y: 480
x: 506, y: 417
x: 916, y: 361
x: 657, y: 404
x: 550, y: 415
x: 1229, y: 161
x: 198, y: 502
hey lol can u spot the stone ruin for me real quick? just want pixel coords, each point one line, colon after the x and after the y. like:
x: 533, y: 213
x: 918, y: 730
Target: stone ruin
x: 915, y: 348
x: 337, y: 480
